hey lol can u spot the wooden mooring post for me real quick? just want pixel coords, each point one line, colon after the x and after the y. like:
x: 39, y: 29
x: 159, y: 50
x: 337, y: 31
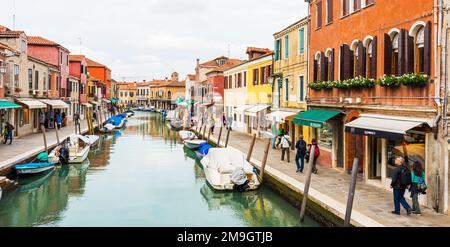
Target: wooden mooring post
x: 307, y: 184
x: 220, y: 135
x: 204, y: 132
x: 228, y: 138
x: 57, y: 135
x: 250, y: 151
x: 264, y: 161
x: 45, y: 138
x: 209, y: 135
x: 351, y: 192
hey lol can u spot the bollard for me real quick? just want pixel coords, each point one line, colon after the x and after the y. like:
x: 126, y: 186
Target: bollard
x: 228, y: 137
x: 220, y: 135
x: 250, y: 151
x: 307, y: 184
x: 264, y: 161
x: 351, y: 192
x: 45, y: 138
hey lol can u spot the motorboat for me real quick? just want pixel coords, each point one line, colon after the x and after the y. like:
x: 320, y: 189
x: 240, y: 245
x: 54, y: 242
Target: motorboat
x: 34, y: 168
x: 78, y: 150
x: 129, y: 113
x: 108, y: 129
x: 194, y: 144
x: 186, y: 135
x: 176, y: 124
x: 90, y: 139
x: 203, y: 151
x: 226, y: 169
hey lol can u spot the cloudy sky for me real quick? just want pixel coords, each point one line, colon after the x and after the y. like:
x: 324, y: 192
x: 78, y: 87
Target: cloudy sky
x: 146, y: 39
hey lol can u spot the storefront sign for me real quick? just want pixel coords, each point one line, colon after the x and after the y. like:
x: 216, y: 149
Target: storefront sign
x: 375, y: 133
x: 316, y: 125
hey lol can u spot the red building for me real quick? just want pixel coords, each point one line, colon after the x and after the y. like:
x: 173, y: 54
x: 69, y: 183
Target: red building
x: 78, y: 69
x: 54, y: 54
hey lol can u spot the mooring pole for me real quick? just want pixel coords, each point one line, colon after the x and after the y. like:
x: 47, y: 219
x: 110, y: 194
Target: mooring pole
x: 351, y: 192
x: 220, y: 135
x: 250, y: 151
x: 307, y: 184
x: 57, y: 135
x: 228, y: 137
x: 264, y: 161
x: 209, y: 135
x: 204, y: 132
x: 45, y: 138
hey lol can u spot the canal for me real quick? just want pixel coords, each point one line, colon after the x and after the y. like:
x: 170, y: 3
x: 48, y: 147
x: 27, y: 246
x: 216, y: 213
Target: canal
x: 141, y: 176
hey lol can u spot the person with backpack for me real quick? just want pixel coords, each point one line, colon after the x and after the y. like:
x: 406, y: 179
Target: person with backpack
x: 401, y: 179
x: 9, y: 128
x: 285, y: 145
x: 301, y: 152
x: 279, y: 136
x: 316, y: 155
x: 418, y: 186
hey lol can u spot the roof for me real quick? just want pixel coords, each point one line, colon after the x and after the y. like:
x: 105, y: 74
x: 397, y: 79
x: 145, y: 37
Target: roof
x: 259, y: 50
x: 76, y: 58
x: 213, y: 63
x: 127, y: 85
x: 41, y: 61
x: 8, y: 33
x: 192, y: 77
x: 230, y: 63
x: 37, y: 40
x: 6, y: 47
x: 92, y: 63
x: 290, y: 26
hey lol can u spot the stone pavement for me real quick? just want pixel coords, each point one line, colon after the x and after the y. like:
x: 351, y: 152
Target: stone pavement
x: 28, y: 146
x: 372, y: 205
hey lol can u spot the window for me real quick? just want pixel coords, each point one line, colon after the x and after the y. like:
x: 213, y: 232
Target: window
x: 36, y: 80
x: 230, y: 81
x: 277, y: 50
x: 395, y: 52
x: 419, y: 51
x: 25, y: 116
x: 329, y: 56
x: 61, y: 61
x: 329, y: 11
x: 49, y: 82
x: 240, y: 80
x: 325, y: 136
x: 301, y: 40
x: 255, y: 76
x: 319, y: 14
x: 169, y: 94
x: 301, y: 88
x: 368, y: 2
x: 286, y: 91
x: 263, y: 75
x: 245, y: 78
x: 225, y: 83
x: 16, y: 75
x: 345, y: 7
x: 356, y: 61
x: 286, y: 47
x: 413, y: 148
x: 356, y: 5
x: 30, y: 79
x: 121, y: 94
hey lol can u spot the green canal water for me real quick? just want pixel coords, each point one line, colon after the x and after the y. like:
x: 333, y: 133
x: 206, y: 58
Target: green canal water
x: 140, y: 177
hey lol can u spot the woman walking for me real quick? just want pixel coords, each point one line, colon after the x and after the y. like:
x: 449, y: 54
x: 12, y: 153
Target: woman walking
x: 417, y: 182
x: 316, y: 154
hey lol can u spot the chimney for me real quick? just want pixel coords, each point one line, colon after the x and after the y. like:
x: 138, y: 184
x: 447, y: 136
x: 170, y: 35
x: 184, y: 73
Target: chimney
x: 197, y: 70
x: 175, y: 76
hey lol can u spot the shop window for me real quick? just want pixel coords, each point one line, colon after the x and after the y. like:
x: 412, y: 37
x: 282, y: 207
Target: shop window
x: 25, y: 116
x: 325, y: 136
x: 412, y: 149
x: 419, y: 51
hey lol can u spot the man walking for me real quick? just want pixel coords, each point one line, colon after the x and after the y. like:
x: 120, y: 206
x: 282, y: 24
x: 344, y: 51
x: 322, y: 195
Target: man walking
x: 301, y: 152
x: 285, y: 145
x: 399, y: 184
x: 9, y: 133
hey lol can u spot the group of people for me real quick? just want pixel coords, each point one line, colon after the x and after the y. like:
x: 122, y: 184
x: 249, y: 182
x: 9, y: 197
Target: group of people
x: 47, y: 119
x: 303, y: 150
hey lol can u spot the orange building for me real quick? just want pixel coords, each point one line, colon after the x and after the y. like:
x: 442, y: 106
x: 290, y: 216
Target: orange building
x: 373, y: 93
x: 101, y: 76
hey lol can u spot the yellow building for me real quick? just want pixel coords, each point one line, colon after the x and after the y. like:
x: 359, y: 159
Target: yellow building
x: 165, y: 93
x: 290, y: 77
x: 127, y: 93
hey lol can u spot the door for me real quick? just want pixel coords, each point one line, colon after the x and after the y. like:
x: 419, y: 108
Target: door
x: 375, y: 158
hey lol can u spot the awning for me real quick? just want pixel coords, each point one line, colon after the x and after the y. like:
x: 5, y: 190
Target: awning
x: 242, y: 108
x: 8, y: 105
x: 280, y: 116
x: 95, y: 103
x: 32, y: 104
x: 57, y: 104
x: 315, y: 118
x: 253, y: 112
x: 87, y: 105
x: 107, y: 100
x: 383, y: 126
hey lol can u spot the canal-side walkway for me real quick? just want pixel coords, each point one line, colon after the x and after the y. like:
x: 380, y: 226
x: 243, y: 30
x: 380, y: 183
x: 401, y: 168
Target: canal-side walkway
x: 31, y: 145
x: 372, y: 205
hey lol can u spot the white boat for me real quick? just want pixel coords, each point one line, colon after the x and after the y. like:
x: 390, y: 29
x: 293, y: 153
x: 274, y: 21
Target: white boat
x: 176, y: 124
x: 78, y: 150
x: 193, y: 144
x: 187, y: 135
x: 90, y: 139
x: 170, y: 116
x: 226, y: 169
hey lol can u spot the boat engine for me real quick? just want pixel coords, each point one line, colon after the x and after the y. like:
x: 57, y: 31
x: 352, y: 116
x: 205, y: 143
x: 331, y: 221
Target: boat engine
x: 64, y: 155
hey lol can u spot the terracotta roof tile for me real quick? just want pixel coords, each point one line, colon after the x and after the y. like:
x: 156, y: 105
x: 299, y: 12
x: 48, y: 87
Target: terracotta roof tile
x: 230, y: 63
x: 37, y: 40
x: 260, y: 50
x: 76, y: 58
x: 8, y: 33
x: 92, y: 63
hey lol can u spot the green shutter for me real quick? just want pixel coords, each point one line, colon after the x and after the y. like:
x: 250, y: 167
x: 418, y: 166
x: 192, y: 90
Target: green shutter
x: 286, y: 46
x: 277, y: 50
x: 302, y: 40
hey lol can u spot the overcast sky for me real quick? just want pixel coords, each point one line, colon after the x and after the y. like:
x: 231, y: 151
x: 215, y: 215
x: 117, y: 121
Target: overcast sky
x: 146, y: 39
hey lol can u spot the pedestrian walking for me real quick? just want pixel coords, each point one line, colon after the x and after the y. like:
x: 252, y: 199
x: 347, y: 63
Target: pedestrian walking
x: 285, y: 146
x: 230, y: 123
x: 316, y: 155
x: 401, y: 179
x: 417, y: 187
x: 58, y: 120
x: 301, y: 147
x: 41, y: 120
x: 8, y: 133
x: 212, y: 124
x: 279, y: 136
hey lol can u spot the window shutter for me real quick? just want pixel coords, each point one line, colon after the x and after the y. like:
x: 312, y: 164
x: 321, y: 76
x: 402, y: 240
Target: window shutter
x: 342, y: 63
x: 351, y: 66
x: 374, y: 60
x: 331, y: 72
x: 387, y: 54
x: 319, y: 14
x: 315, y: 70
x: 323, y: 67
x: 427, y: 49
x: 357, y: 4
x: 409, y: 53
x: 401, y: 52
x: 361, y: 60
x: 329, y: 11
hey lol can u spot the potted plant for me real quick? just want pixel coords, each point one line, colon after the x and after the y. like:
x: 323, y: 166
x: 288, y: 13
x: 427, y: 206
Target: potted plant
x: 389, y: 81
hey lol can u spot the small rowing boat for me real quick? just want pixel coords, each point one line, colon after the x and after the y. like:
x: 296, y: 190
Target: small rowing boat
x: 33, y: 168
x: 194, y: 144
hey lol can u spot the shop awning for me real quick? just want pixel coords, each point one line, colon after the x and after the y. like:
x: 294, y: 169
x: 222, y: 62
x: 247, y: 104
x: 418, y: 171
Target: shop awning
x: 280, y: 116
x: 315, y: 118
x: 8, y: 105
x: 253, y: 112
x: 242, y: 108
x: 57, y: 104
x: 32, y: 104
x: 87, y: 105
x: 95, y: 103
x: 107, y: 100
x: 383, y: 126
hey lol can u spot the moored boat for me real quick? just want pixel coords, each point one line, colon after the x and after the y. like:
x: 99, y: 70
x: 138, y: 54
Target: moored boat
x: 226, y: 169
x: 75, y: 151
x: 34, y: 168
x: 203, y: 150
x: 194, y: 144
x: 187, y: 135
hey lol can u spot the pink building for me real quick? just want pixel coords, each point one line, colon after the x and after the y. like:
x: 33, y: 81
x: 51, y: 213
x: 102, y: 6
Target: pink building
x: 78, y: 69
x: 54, y: 54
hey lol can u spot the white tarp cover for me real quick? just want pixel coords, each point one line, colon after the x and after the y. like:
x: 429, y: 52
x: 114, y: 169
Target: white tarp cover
x: 254, y: 110
x: 280, y: 116
x: 109, y: 127
x: 33, y: 104
x: 58, y: 104
x: 226, y: 160
x: 384, y: 123
x: 238, y: 177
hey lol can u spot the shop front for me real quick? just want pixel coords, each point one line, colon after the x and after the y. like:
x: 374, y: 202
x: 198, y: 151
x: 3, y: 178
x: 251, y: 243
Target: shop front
x: 7, y: 114
x: 54, y: 107
x: 326, y: 127
x: 240, y: 120
x: 257, y: 118
x: 282, y: 119
x: 388, y: 137
x: 29, y: 116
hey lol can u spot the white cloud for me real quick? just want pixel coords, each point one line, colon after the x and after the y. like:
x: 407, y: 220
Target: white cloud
x: 144, y: 39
